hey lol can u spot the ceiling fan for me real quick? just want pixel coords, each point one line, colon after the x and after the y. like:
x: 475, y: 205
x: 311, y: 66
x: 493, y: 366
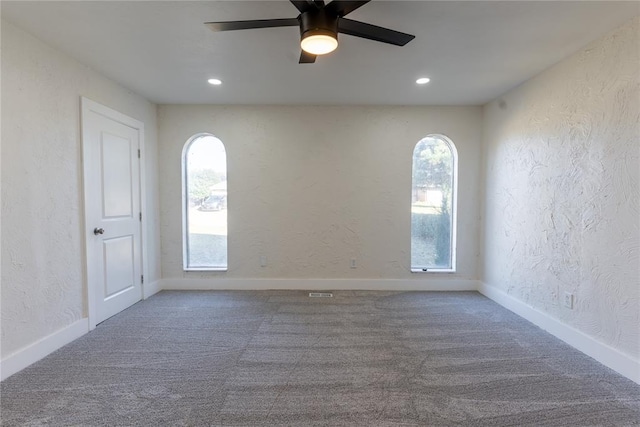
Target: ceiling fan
x: 319, y: 25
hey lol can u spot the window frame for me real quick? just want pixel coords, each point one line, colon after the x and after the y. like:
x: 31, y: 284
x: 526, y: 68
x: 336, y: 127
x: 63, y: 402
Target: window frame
x: 454, y: 207
x: 185, y: 205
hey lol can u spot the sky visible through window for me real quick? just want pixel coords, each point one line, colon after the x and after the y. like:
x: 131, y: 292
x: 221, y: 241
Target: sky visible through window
x: 207, y: 152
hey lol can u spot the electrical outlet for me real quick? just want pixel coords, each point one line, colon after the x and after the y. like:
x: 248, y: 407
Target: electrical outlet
x: 263, y: 261
x: 353, y: 263
x: 568, y: 300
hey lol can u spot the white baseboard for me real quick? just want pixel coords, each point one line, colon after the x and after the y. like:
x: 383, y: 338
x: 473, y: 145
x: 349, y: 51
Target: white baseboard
x: 150, y: 289
x: 321, y: 284
x: 41, y: 348
x: 603, y: 353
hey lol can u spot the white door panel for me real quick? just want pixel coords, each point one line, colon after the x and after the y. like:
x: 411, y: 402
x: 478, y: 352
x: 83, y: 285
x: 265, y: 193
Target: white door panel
x: 117, y: 180
x: 119, y: 261
x: 112, y: 208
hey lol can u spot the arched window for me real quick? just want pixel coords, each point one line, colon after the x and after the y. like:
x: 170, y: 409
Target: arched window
x: 433, y: 204
x: 204, y: 193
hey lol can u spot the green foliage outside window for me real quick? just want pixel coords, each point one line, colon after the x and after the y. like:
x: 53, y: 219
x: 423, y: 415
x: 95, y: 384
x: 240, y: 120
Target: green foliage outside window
x: 201, y: 181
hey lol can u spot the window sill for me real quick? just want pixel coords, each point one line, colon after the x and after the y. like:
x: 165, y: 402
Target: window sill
x: 205, y: 269
x: 432, y: 270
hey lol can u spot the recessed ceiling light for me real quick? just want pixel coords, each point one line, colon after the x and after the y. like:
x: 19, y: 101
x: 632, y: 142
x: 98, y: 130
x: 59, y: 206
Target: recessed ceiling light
x: 215, y: 82
x: 423, y: 80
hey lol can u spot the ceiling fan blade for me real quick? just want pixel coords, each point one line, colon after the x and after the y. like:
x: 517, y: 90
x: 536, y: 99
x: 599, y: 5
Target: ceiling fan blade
x: 342, y: 8
x: 304, y: 5
x: 257, y: 23
x: 307, y: 58
x: 373, y: 32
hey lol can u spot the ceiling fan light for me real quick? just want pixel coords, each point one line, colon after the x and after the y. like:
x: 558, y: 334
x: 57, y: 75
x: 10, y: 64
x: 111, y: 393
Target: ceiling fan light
x: 318, y: 44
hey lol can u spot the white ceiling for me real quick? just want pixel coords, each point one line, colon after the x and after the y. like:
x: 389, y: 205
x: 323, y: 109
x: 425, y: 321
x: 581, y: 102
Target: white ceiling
x: 473, y: 51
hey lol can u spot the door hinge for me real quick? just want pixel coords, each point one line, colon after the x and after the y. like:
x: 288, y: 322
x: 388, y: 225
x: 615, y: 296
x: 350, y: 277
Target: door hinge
x: 140, y: 216
x: 138, y: 153
x: 141, y: 279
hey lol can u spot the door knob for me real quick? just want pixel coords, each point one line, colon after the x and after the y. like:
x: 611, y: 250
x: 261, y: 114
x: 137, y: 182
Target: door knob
x: 97, y: 231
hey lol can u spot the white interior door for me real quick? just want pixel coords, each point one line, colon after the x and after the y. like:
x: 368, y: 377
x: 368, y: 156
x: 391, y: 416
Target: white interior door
x: 111, y: 143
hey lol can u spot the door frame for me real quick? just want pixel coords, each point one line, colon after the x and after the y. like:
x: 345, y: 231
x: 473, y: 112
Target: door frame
x: 87, y: 106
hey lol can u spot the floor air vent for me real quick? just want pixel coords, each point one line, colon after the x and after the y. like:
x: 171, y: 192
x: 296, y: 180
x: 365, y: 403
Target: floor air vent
x: 320, y: 294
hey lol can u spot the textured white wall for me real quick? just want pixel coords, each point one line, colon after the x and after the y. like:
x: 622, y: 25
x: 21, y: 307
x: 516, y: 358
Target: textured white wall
x: 312, y: 187
x: 562, y: 190
x: 43, y: 285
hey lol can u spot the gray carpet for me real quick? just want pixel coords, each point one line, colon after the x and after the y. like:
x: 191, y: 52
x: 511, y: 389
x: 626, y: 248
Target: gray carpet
x: 281, y: 358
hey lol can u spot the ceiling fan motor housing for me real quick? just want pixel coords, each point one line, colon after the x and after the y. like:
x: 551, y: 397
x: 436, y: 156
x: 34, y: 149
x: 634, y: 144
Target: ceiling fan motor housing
x: 315, y: 22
